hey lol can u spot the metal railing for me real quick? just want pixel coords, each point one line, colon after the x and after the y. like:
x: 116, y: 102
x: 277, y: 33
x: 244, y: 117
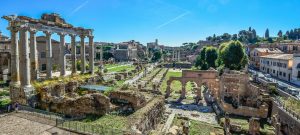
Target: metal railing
x: 87, y: 128
x: 71, y: 125
x: 40, y: 113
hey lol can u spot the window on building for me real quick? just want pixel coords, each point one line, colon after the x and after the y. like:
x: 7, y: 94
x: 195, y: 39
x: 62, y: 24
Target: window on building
x: 43, y: 54
x: 280, y: 73
x: 284, y: 74
x: 273, y: 71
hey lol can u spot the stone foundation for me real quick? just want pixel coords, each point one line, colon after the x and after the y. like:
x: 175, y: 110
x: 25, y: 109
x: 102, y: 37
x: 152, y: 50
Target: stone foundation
x: 148, y: 117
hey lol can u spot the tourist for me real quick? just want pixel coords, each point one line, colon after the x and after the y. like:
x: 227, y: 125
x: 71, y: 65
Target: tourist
x: 8, y: 108
x: 17, y: 107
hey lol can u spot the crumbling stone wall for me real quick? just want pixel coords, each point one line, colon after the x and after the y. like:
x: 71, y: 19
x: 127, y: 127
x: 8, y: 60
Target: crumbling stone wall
x: 96, y: 104
x: 136, y: 99
x: 148, y: 117
x: 261, y: 112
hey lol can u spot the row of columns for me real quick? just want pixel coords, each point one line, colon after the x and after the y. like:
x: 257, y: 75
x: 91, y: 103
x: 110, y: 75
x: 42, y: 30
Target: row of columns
x: 27, y: 62
x: 176, y: 55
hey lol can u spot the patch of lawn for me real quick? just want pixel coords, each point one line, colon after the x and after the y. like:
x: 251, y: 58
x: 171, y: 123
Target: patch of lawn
x: 202, y: 128
x: 120, y: 68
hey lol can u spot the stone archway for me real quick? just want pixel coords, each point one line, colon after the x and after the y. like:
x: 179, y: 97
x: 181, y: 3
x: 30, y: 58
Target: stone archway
x: 207, y: 77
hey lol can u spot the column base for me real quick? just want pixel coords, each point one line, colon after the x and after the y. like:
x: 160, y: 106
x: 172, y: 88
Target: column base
x: 28, y: 90
x: 15, y: 84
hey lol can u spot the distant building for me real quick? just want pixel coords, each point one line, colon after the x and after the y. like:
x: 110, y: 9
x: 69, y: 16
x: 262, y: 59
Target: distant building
x: 256, y: 53
x: 41, y: 49
x: 5, y: 57
x: 126, y: 51
x: 296, y: 69
x: 277, y: 65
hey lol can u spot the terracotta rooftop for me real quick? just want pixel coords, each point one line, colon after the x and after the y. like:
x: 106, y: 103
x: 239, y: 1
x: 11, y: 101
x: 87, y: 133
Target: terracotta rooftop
x: 279, y: 56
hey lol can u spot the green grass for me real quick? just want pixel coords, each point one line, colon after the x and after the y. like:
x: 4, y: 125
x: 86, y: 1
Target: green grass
x: 202, y: 128
x: 120, y: 68
x: 4, y: 93
x: 198, y: 127
x: 292, y: 104
x: 4, y: 102
x: 106, y: 124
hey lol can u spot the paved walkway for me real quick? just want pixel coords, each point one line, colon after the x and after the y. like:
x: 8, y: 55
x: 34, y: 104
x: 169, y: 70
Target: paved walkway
x: 168, y: 123
x: 20, y: 124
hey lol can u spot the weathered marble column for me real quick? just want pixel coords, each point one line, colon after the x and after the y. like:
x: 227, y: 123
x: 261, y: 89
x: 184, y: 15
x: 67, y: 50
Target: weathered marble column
x: 173, y: 55
x: 48, y: 54
x: 33, y: 55
x: 62, y: 57
x: 73, y: 55
x: 15, y: 74
x: 24, y: 61
x: 91, y: 54
x: 82, y: 54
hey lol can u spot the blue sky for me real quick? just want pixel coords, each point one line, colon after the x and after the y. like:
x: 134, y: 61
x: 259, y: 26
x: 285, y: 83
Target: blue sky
x: 173, y: 22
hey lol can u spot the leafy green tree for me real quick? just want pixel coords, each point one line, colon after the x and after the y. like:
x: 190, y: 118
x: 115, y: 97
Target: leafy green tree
x: 232, y: 55
x: 107, y: 55
x: 279, y: 34
x: 211, y: 55
x: 267, y: 35
x: 156, y: 56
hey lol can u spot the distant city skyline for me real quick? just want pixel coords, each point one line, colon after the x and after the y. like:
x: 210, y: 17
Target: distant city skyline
x: 172, y: 22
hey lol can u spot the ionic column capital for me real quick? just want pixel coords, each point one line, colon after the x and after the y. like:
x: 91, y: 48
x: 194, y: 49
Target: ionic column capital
x: 23, y: 28
x: 91, y: 37
x: 32, y: 31
x: 62, y: 34
x: 82, y: 36
x: 12, y: 29
x: 72, y: 35
x: 48, y: 33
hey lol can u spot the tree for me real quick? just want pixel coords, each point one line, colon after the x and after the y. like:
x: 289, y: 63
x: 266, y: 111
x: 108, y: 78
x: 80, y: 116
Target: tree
x: 232, y: 55
x: 107, y: 55
x: 211, y: 55
x: 267, y: 34
x: 279, y: 33
x: 156, y: 56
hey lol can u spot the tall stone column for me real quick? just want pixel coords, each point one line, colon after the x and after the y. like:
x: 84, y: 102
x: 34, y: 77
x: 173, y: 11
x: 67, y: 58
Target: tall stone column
x: 82, y: 54
x: 33, y: 55
x: 73, y: 55
x: 15, y: 74
x: 48, y: 54
x: 62, y: 57
x: 91, y: 54
x: 24, y: 61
